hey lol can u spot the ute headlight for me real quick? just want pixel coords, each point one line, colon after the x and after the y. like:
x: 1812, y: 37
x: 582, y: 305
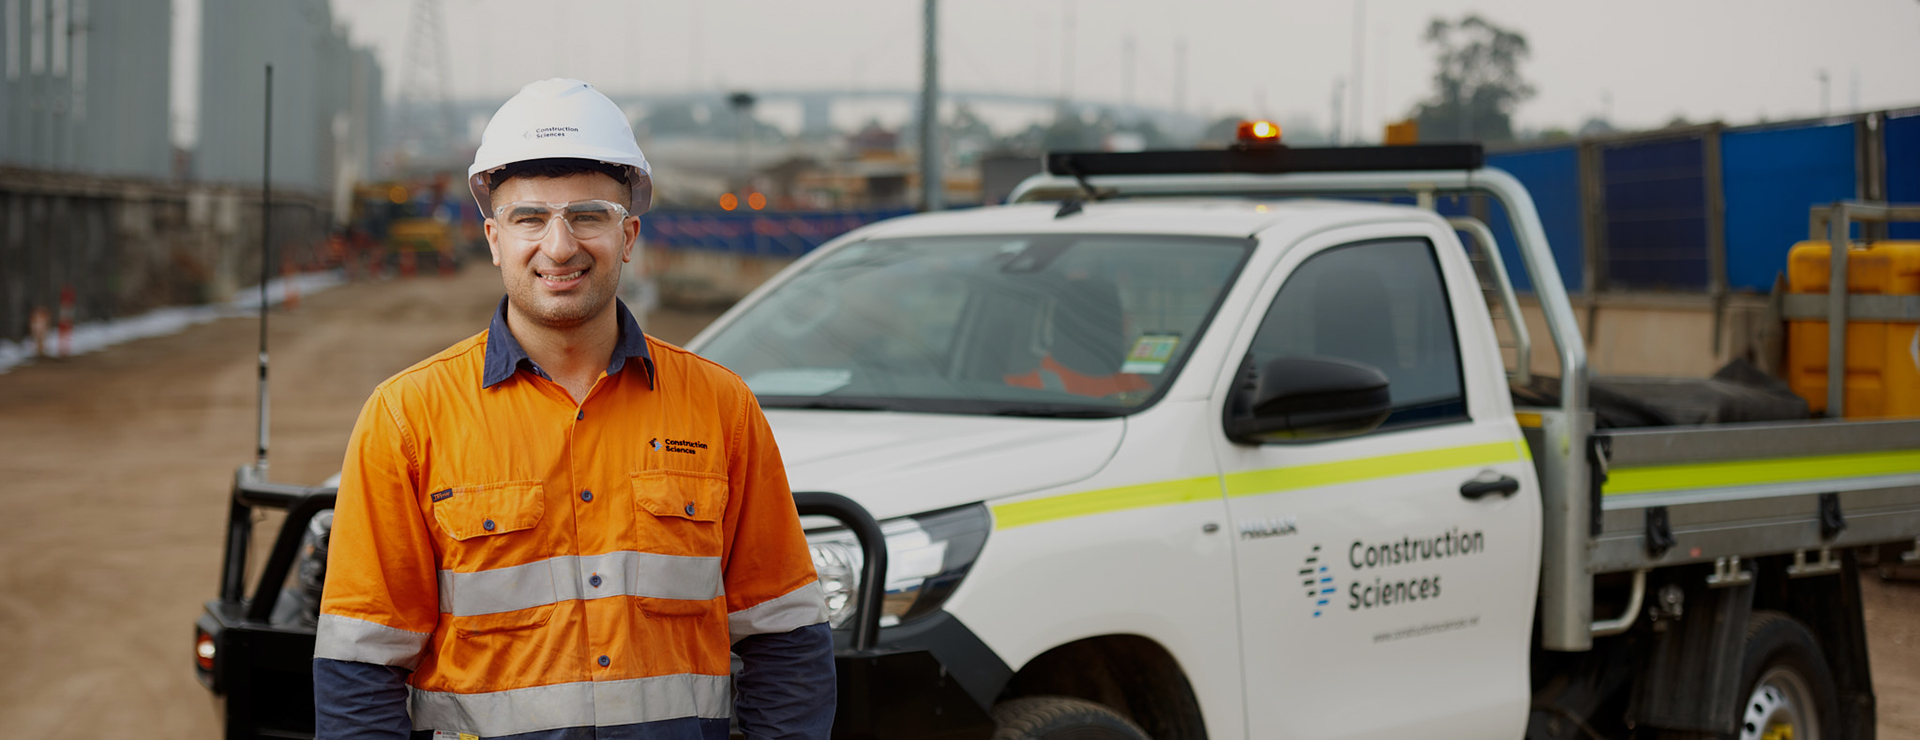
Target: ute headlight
x: 299, y: 600
x: 927, y: 555
x: 312, y: 570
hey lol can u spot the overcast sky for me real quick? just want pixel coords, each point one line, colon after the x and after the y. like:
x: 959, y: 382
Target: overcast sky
x: 1640, y: 62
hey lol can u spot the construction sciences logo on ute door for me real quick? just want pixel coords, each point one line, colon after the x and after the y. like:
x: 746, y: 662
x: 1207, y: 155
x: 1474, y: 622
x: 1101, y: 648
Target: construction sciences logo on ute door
x: 683, y: 446
x: 1388, y: 573
x: 1313, y: 575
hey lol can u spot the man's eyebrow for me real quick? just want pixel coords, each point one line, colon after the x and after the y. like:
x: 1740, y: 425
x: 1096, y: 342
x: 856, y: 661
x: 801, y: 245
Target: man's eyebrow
x: 526, y: 209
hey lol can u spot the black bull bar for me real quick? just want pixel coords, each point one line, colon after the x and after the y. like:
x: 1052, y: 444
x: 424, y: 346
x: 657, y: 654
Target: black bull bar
x: 262, y: 676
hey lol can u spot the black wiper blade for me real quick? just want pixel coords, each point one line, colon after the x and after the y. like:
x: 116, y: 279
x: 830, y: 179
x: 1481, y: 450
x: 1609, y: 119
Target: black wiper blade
x: 830, y: 404
x: 1074, y: 412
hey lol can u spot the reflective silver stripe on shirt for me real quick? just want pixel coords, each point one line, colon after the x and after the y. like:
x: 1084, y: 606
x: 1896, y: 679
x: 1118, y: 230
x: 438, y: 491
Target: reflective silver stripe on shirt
x: 361, y: 641
x: 585, y: 704
x: 797, y: 608
x: 569, y: 577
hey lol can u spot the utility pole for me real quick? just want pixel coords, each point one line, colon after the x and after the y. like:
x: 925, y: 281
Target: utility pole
x: 1825, y: 109
x: 742, y: 104
x: 1066, y: 56
x: 933, y: 190
x: 1180, y: 75
x: 1339, y: 105
x: 1359, y: 48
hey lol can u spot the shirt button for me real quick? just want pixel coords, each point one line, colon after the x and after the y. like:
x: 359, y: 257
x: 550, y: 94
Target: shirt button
x: 586, y: 496
x: 594, y: 581
x: 689, y: 509
x: 581, y: 414
x: 604, y: 661
x: 488, y: 525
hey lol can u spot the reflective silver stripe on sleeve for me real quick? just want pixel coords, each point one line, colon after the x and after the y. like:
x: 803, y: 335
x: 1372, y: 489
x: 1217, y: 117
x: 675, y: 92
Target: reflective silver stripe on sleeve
x: 584, y: 704
x: 797, y: 608
x: 569, y: 577
x: 361, y: 641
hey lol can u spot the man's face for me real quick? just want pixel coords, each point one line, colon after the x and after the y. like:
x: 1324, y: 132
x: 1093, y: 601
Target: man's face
x: 561, y: 281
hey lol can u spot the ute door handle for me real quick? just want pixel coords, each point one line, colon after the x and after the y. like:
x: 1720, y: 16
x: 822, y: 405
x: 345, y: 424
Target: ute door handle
x: 1479, y: 488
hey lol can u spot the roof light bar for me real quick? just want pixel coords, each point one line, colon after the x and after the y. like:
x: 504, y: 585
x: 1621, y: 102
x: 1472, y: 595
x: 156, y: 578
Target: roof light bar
x: 1269, y: 160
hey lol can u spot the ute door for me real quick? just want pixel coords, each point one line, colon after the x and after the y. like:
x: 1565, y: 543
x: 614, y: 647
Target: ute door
x: 1379, y: 600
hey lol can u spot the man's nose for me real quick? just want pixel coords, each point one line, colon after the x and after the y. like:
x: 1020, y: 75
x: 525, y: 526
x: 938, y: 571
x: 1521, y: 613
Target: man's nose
x: 559, y: 244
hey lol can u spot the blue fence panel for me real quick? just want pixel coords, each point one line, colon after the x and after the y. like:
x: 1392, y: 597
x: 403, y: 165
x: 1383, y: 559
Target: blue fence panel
x: 1772, y: 178
x: 1903, y: 168
x: 768, y: 234
x: 1552, y: 177
x: 1656, y: 214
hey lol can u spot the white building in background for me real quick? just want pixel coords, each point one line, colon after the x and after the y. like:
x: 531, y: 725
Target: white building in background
x: 86, y: 89
x: 86, y: 86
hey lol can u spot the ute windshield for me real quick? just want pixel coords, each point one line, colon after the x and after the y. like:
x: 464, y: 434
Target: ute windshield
x: 1053, y: 325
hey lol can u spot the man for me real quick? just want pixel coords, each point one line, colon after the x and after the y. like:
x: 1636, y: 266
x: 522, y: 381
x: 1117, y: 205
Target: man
x: 557, y: 528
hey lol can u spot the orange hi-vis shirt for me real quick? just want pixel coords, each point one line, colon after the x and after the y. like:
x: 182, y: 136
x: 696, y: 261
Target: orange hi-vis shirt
x: 542, y: 565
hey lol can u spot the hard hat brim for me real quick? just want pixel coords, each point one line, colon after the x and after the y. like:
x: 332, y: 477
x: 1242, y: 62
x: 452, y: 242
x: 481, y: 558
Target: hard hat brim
x: 638, y: 180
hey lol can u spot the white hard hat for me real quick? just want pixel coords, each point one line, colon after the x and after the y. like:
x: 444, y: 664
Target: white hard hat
x: 559, y: 118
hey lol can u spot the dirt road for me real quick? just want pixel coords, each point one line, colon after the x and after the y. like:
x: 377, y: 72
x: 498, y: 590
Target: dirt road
x: 116, y: 467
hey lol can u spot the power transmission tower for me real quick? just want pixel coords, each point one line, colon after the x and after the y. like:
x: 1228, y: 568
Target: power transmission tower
x: 426, y: 110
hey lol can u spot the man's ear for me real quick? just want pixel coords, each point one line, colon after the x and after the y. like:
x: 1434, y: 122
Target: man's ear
x: 493, y: 240
x: 632, y: 230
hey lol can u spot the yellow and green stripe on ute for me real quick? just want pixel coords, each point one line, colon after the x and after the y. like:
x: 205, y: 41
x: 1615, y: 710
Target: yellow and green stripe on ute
x: 1250, y: 483
x: 1694, y: 476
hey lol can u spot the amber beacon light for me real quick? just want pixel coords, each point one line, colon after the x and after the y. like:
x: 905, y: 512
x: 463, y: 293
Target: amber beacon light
x: 1258, y: 133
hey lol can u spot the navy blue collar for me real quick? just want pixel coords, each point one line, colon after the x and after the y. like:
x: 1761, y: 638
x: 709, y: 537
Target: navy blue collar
x: 505, y: 355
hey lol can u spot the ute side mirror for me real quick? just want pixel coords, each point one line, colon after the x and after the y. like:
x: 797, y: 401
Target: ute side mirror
x: 1300, y: 399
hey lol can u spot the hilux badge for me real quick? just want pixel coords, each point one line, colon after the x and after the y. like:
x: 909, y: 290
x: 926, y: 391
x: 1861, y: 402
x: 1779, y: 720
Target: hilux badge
x: 1273, y: 526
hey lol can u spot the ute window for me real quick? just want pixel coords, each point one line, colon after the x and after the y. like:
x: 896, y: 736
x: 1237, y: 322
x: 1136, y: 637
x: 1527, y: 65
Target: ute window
x: 1381, y: 304
x: 1055, y: 325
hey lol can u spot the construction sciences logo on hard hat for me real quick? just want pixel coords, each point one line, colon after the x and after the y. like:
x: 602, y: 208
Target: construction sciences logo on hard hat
x: 1389, y: 561
x: 551, y: 132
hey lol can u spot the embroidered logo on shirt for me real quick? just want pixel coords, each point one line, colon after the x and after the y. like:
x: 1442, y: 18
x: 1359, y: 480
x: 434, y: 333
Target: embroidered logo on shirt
x: 687, y: 447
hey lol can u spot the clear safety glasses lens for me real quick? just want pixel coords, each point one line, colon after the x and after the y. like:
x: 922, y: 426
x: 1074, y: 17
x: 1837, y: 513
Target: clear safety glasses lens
x: 586, y: 219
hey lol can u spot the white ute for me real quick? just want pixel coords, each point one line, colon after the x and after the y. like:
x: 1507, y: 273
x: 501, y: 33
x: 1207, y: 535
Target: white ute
x: 1164, y: 450
x: 1170, y: 449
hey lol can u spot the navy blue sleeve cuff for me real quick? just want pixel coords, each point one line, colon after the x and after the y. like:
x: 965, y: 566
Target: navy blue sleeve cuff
x: 359, y: 700
x: 786, y: 685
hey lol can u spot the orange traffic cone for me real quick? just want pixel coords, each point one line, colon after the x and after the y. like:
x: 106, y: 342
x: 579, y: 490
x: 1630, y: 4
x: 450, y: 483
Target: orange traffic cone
x: 287, y: 275
x: 66, y: 321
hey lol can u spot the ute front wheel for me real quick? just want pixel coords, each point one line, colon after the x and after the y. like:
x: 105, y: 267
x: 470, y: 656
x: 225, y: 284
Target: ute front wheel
x: 1061, y: 718
x: 1786, y: 689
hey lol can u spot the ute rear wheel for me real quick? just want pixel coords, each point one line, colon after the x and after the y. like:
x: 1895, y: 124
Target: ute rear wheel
x: 1787, y: 691
x: 1061, y: 718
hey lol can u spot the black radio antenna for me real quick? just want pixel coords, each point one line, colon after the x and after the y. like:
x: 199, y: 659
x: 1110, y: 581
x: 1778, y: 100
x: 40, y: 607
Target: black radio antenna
x: 266, y: 256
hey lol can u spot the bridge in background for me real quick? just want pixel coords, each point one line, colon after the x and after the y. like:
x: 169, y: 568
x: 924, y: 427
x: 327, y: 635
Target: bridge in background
x: 817, y: 106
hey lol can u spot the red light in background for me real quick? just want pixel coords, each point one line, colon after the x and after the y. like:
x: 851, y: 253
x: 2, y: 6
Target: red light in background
x: 203, y: 650
x: 728, y: 201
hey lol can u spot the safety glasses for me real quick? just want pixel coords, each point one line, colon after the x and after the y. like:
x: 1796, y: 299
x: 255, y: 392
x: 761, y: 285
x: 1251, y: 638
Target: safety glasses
x: 585, y: 219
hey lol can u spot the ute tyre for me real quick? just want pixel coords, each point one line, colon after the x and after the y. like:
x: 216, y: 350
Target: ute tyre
x: 1784, y: 682
x: 1061, y: 718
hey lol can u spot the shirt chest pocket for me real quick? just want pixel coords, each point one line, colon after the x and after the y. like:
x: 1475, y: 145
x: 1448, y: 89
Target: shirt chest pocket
x: 679, y: 512
x: 487, y: 511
